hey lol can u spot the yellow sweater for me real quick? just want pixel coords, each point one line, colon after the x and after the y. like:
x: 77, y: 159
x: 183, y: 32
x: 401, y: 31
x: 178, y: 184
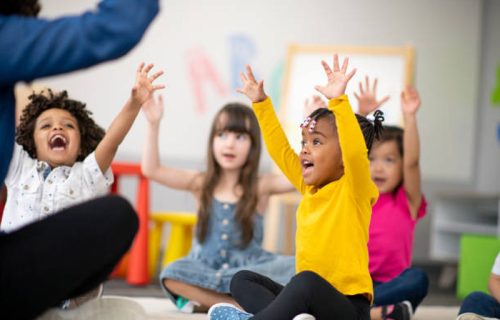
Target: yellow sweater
x: 332, y: 222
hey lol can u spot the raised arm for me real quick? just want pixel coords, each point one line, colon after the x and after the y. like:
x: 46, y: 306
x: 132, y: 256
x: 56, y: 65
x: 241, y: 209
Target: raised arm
x: 410, y: 103
x: 141, y: 92
x: 494, y: 286
x: 275, y: 139
x: 150, y: 165
x: 367, y: 97
x: 33, y: 48
x: 352, y: 142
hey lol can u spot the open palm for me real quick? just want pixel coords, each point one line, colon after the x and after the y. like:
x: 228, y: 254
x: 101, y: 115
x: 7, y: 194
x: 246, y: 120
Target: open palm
x: 337, y: 78
x: 251, y: 88
x: 144, y: 87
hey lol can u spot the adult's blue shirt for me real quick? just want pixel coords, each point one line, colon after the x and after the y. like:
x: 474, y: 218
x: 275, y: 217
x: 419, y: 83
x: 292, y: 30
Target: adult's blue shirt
x: 31, y: 48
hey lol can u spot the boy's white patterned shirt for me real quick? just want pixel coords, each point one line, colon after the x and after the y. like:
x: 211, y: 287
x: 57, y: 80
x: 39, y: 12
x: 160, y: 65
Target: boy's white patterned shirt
x: 30, y: 197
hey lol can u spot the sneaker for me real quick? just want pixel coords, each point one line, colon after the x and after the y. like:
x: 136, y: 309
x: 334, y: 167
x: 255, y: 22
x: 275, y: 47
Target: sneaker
x: 185, y: 305
x: 75, y: 302
x: 304, y: 316
x: 399, y: 311
x: 472, y: 316
x: 225, y: 311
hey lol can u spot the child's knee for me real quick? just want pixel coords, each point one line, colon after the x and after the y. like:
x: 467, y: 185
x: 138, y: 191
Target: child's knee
x: 239, y: 279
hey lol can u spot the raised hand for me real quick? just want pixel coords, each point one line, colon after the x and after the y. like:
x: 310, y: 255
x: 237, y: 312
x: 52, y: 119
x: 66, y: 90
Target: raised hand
x: 410, y: 100
x: 337, y: 78
x: 251, y: 88
x: 143, y: 88
x: 312, y: 104
x: 153, y: 109
x: 367, y: 98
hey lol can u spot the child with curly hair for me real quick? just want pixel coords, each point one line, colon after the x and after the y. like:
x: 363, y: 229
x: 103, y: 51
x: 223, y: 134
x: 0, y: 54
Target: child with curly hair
x: 62, y: 157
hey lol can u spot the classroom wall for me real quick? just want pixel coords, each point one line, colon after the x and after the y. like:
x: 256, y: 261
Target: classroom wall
x: 202, y: 45
x: 488, y: 133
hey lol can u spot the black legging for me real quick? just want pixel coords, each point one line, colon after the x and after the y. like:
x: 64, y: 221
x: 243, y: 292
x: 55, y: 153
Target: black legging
x: 63, y: 255
x: 306, y: 292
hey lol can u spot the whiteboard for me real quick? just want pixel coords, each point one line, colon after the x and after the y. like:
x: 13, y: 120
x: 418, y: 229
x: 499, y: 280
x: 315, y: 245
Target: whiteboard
x: 392, y: 66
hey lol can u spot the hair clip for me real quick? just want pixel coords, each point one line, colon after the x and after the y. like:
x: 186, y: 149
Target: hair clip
x: 378, y: 115
x: 305, y: 123
x: 312, y: 126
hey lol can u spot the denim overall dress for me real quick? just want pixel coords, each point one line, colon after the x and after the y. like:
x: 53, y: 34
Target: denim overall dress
x: 213, y: 263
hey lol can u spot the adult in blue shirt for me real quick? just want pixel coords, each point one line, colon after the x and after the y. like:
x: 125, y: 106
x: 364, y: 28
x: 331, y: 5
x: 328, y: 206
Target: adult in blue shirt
x: 69, y: 253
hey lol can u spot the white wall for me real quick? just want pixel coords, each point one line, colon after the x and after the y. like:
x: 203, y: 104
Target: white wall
x: 488, y: 138
x: 446, y: 35
x: 457, y: 48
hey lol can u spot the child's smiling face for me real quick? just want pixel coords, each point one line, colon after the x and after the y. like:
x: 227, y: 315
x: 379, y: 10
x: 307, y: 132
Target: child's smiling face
x: 321, y: 157
x: 386, y: 166
x: 57, y: 137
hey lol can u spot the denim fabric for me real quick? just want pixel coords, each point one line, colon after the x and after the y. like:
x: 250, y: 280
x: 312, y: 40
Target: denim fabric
x: 411, y: 285
x: 213, y: 263
x: 482, y: 304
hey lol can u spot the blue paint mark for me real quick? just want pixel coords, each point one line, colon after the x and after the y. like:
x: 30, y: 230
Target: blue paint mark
x: 498, y: 132
x: 242, y: 50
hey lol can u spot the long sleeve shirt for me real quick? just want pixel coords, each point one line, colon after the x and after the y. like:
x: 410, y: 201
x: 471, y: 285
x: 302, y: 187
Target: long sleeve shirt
x: 31, y: 48
x: 332, y: 221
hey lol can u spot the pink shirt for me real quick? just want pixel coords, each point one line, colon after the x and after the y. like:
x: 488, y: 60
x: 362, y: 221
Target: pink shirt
x: 391, y: 235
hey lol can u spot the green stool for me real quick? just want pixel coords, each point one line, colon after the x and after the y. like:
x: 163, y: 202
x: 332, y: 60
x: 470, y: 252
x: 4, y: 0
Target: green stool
x: 477, y: 255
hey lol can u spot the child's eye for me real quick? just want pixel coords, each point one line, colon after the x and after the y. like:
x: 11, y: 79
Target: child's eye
x: 303, y: 143
x: 241, y: 136
x: 221, y: 134
x: 316, y: 142
x: 70, y: 125
x: 45, y: 126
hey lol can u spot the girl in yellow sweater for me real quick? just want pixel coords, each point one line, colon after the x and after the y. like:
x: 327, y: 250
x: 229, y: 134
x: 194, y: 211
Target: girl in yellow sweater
x: 332, y: 173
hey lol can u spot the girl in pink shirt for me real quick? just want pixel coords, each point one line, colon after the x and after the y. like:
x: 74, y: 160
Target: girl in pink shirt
x: 395, y: 169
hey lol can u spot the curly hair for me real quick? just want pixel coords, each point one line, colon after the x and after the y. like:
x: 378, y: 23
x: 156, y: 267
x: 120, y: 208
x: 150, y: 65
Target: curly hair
x: 29, y: 8
x: 91, y: 134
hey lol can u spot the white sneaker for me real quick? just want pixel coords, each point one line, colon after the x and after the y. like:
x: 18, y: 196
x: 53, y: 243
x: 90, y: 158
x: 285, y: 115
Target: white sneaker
x: 75, y: 302
x: 304, y: 316
x: 473, y: 316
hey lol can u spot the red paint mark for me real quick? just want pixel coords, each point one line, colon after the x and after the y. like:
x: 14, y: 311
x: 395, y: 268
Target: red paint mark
x: 201, y: 73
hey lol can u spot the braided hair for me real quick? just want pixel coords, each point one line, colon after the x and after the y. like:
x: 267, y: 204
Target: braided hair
x: 371, y: 129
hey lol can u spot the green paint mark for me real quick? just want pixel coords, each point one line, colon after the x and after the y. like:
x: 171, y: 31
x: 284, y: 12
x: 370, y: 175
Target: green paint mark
x: 276, y: 82
x: 495, y: 95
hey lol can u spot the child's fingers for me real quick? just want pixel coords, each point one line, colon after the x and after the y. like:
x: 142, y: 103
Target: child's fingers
x: 328, y: 71
x: 240, y: 90
x: 250, y: 73
x: 320, y: 89
x: 243, y: 77
x: 345, y: 64
x: 356, y: 95
x: 148, y: 68
x: 260, y: 85
x: 155, y: 76
x: 384, y: 100
x: 351, y: 74
x: 139, y: 68
x: 335, y: 62
x: 361, y: 91
x: 158, y: 87
x: 375, y: 82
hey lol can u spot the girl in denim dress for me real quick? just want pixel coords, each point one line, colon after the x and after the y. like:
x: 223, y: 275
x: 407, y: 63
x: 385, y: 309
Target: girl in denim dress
x: 231, y: 198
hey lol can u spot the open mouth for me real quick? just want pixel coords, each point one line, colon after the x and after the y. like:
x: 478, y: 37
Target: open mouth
x: 228, y: 156
x: 378, y: 180
x: 58, y: 143
x: 307, y: 166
